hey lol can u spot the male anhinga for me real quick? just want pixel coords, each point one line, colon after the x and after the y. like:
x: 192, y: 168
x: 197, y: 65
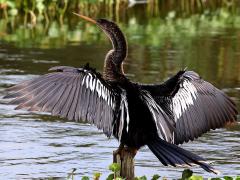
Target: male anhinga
x: 160, y: 116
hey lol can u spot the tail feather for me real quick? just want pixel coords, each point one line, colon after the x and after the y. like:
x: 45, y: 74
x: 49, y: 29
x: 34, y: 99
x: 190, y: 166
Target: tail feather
x: 173, y: 158
x: 170, y: 154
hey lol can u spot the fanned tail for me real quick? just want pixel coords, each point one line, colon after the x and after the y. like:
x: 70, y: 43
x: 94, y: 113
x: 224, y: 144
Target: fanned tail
x: 170, y: 154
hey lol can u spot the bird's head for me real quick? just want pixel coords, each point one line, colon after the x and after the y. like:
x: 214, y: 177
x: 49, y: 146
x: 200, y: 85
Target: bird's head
x: 113, y: 62
x: 113, y: 32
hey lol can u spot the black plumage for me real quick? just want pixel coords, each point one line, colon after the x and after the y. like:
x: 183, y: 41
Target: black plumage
x: 160, y: 116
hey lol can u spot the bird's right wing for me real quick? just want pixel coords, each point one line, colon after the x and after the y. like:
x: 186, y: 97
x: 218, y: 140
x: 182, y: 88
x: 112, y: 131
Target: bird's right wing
x: 195, y: 105
x: 73, y: 93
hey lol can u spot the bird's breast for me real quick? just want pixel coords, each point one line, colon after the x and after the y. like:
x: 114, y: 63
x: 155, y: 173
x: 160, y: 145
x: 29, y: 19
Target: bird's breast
x: 141, y: 128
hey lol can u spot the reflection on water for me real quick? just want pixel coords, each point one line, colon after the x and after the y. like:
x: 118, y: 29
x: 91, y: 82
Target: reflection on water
x: 41, y: 146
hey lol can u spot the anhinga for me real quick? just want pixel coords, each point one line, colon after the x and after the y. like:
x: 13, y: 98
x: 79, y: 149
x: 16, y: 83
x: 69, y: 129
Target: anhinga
x: 160, y: 116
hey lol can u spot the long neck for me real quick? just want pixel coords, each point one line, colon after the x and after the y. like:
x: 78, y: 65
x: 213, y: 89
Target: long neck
x: 119, y: 46
x: 113, y: 68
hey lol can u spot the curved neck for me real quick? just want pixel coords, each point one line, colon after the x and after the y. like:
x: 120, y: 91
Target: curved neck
x: 119, y: 46
x: 113, y: 69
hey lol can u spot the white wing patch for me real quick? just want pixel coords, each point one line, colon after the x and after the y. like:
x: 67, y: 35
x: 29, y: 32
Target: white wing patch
x: 94, y: 84
x: 124, y: 114
x: 164, y: 129
x: 184, y: 98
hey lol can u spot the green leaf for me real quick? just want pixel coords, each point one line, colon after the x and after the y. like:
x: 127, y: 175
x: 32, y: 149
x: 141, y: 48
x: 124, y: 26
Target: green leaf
x: 155, y: 177
x: 118, y: 178
x: 110, y: 177
x: 97, y: 175
x: 11, y: 4
x: 85, y: 178
x: 142, y: 178
x: 194, y: 177
x: 237, y: 178
x: 3, y: 1
x: 215, y: 178
x: 227, y: 178
x: 115, y: 167
x: 187, y: 173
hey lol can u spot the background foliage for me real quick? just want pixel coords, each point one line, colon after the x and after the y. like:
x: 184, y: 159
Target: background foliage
x: 50, y: 23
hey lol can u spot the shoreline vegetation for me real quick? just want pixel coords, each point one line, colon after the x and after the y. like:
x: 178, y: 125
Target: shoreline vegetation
x: 51, y: 23
x: 48, y: 10
x: 114, y: 168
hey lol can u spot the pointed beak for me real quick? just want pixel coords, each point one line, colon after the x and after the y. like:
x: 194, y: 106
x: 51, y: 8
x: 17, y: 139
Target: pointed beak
x: 86, y: 18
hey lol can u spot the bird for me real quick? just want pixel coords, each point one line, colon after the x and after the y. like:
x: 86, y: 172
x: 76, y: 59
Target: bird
x: 160, y: 116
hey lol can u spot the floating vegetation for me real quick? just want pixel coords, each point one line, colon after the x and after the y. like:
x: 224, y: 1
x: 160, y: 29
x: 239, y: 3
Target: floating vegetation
x: 187, y: 174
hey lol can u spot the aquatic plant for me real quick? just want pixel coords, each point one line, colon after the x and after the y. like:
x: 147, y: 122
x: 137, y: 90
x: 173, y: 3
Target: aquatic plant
x: 187, y: 174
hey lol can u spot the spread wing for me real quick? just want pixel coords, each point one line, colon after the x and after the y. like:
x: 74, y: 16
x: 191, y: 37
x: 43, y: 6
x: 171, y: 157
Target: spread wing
x: 195, y: 105
x: 72, y: 93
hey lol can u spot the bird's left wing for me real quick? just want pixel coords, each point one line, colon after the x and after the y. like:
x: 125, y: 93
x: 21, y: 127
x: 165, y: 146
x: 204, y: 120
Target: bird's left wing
x: 73, y: 93
x: 195, y: 105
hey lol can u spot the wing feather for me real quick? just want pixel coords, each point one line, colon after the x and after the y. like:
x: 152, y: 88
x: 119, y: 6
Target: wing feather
x: 195, y: 105
x: 35, y: 101
x: 73, y: 105
x: 67, y: 106
x: 163, y: 123
x: 208, y: 105
x: 49, y: 98
x: 72, y: 93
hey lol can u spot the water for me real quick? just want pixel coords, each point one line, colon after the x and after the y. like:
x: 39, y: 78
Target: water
x: 40, y: 146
